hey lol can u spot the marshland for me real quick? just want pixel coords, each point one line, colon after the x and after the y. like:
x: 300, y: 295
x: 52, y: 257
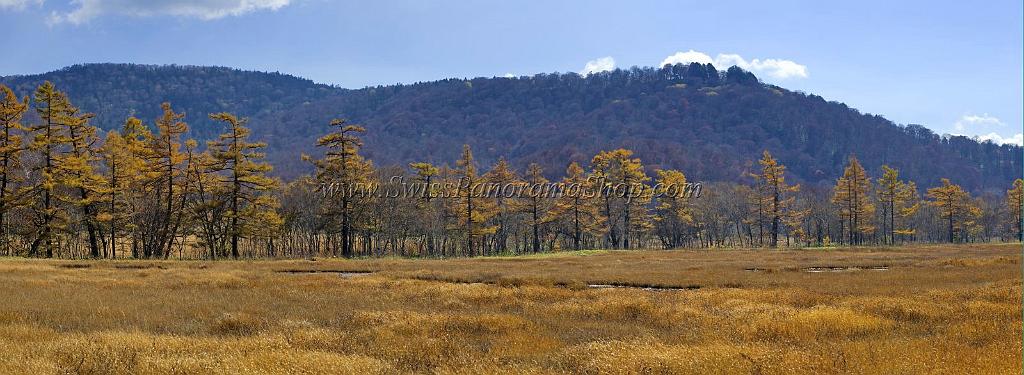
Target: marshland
x: 913, y: 309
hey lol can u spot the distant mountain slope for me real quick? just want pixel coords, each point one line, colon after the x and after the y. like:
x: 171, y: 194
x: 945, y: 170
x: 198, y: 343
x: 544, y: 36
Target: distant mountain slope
x: 708, y: 123
x: 115, y: 91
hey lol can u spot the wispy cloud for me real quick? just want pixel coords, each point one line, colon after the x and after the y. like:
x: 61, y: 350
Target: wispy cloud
x: 18, y: 4
x: 598, y: 65
x: 778, y: 69
x: 86, y: 10
x: 977, y: 124
x: 974, y: 121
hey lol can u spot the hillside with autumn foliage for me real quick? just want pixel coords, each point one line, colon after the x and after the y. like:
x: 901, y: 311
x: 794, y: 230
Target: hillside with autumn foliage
x: 710, y: 123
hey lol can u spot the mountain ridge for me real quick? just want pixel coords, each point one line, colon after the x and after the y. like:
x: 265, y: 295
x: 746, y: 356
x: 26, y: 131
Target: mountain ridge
x: 709, y: 123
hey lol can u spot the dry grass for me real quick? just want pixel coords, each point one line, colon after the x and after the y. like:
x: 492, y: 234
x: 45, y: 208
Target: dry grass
x: 937, y: 309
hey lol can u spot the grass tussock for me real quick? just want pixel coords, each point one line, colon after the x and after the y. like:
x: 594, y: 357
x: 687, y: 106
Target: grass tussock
x: 937, y: 310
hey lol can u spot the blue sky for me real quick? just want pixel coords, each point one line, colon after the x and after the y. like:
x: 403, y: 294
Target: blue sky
x: 955, y: 67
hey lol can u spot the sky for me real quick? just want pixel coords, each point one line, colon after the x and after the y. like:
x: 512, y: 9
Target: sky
x: 953, y: 66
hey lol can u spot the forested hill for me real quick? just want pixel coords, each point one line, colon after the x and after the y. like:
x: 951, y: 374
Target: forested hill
x: 708, y: 123
x: 115, y: 91
x: 711, y: 124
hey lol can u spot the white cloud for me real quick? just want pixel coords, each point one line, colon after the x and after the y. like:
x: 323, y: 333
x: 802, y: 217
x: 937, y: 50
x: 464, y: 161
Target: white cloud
x: 998, y: 139
x: 976, y: 124
x: 18, y: 4
x: 686, y: 58
x: 775, y: 68
x: 982, y: 120
x: 598, y: 65
x: 200, y: 9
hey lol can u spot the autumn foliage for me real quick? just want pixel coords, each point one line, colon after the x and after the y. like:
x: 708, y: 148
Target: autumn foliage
x: 69, y: 190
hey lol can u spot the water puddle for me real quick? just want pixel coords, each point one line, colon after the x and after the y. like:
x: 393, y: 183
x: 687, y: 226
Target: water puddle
x: 142, y: 266
x: 75, y: 266
x: 845, y: 269
x: 343, y: 273
x: 655, y: 288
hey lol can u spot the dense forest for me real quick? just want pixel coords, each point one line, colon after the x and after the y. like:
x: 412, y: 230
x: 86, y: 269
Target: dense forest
x: 115, y: 92
x: 148, y: 190
x: 712, y: 124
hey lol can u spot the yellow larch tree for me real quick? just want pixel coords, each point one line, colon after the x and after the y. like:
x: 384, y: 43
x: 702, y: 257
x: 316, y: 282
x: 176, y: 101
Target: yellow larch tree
x: 1015, y: 205
x: 673, y: 212
x: 426, y: 175
x: 124, y: 155
x: 49, y: 140
x: 499, y: 179
x: 577, y: 207
x: 955, y: 207
x: 474, y: 209
x: 777, y: 197
x: 851, y: 196
x: 78, y: 173
x: 11, y: 147
x: 251, y: 207
x: 209, y: 206
x: 166, y: 161
x: 899, y: 201
x: 535, y: 202
x: 341, y: 172
x: 624, y: 194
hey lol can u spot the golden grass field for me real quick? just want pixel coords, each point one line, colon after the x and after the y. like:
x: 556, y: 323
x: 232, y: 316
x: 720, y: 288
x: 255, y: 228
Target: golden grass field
x: 936, y: 309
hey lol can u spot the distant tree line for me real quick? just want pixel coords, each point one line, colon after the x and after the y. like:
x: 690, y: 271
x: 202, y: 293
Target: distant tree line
x: 711, y: 122
x: 145, y: 191
x: 116, y: 91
